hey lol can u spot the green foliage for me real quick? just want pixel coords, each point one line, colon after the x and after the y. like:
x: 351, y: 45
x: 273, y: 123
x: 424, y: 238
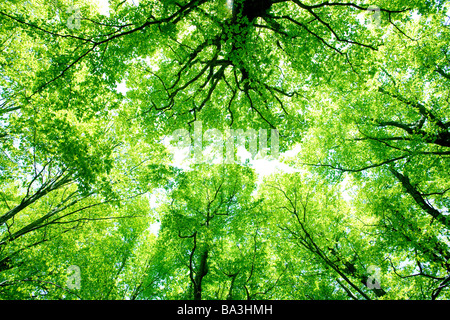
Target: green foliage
x: 88, y: 183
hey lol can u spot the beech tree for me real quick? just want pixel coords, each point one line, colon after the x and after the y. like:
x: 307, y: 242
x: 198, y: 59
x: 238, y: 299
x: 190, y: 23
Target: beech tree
x: 94, y: 205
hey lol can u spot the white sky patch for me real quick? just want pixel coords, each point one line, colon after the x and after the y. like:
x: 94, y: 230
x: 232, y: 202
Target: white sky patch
x: 103, y: 7
x: 157, y: 197
x: 154, y: 228
x: 291, y: 153
x: 348, y: 190
x: 265, y: 167
x: 122, y: 87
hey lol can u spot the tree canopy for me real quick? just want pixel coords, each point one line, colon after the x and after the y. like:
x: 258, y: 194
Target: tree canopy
x: 345, y: 194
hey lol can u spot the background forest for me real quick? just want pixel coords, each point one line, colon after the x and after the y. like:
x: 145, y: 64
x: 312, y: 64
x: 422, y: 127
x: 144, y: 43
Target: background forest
x: 95, y: 203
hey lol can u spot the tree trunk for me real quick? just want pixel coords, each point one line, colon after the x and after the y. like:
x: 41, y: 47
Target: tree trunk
x: 202, y: 271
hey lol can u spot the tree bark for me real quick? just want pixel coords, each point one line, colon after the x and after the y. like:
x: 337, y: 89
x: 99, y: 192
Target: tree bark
x: 412, y: 191
x: 202, y: 271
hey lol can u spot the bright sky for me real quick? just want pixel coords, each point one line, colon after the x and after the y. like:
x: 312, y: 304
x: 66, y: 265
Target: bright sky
x: 104, y: 5
x: 262, y: 167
